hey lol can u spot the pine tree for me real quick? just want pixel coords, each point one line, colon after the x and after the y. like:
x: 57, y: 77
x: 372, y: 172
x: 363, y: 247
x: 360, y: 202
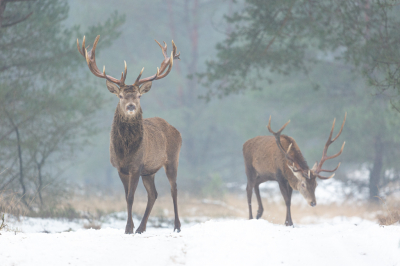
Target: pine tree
x: 46, y: 108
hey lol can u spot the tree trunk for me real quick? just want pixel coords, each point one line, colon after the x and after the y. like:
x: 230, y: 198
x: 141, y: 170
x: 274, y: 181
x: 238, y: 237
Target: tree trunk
x: 375, y: 173
x: 39, y: 166
x: 21, y: 168
x: 173, y: 32
x: 191, y: 21
x: 2, y: 8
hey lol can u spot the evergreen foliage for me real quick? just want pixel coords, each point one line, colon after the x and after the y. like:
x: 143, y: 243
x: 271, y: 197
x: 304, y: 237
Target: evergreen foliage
x: 291, y: 36
x: 46, y: 107
x: 348, y: 51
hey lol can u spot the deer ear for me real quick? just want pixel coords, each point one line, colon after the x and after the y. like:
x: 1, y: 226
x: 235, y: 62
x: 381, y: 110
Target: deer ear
x: 145, y: 87
x: 113, y: 88
x: 297, y: 174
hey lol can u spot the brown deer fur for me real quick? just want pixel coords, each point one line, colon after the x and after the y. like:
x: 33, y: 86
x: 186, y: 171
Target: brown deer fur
x: 140, y: 147
x: 265, y: 162
x: 278, y: 158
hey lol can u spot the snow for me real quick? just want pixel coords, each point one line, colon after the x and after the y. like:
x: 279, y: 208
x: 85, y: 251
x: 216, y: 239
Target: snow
x: 327, y: 192
x: 338, y: 241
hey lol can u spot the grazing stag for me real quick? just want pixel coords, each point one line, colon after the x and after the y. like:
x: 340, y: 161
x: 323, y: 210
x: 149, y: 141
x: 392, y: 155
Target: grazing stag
x: 140, y: 147
x: 279, y: 159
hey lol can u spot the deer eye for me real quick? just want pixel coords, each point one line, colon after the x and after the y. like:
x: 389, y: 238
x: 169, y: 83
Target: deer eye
x: 120, y: 96
x: 139, y: 96
x: 303, y: 185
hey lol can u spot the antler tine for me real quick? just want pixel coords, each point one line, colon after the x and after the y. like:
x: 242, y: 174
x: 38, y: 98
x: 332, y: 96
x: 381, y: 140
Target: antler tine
x: 280, y: 130
x: 138, y: 78
x: 340, y: 131
x: 331, y: 171
x: 324, y: 177
x: 91, y: 61
x: 166, y: 64
x: 163, y: 49
x: 337, y: 154
x: 174, y: 49
x: 278, y: 139
x: 171, y: 62
x: 93, y: 51
x: 83, y: 50
x: 329, y: 141
x: 290, y: 146
x: 318, y: 168
x: 123, y: 76
x: 151, y: 78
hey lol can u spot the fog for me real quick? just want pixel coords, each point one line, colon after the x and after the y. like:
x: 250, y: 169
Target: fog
x: 213, y: 130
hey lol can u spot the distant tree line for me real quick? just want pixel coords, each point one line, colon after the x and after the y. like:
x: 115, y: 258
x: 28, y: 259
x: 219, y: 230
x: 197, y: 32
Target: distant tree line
x: 324, y: 58
x: 361, y: 38
x: 46, y: 110
x: 288, y: 36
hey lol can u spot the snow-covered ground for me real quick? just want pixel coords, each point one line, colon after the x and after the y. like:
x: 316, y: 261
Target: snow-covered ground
x: 339, y: 241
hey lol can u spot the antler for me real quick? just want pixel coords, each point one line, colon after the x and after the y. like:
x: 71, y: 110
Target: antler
x: 91, y: 61
x: 317, y: 168
x: 278, y: 140
x: 167, y: 62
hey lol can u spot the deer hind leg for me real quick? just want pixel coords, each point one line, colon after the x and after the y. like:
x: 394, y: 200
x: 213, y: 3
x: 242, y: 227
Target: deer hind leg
x: 251, y: 177
x: 148, y: 182
x: 288, y: 214
x: 260, y: 206
x: 172, y: 171
x: 130, y: 185
x: 286, y: 192
x: 249, y: 190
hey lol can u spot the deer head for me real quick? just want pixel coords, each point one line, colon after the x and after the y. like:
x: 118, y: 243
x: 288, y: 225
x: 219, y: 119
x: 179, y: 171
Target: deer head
x: 307, y: 177
x: 129, y: 95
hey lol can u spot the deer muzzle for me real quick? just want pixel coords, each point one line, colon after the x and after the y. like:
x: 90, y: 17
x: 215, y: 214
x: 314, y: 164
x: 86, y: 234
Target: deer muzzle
x: 130, y: 108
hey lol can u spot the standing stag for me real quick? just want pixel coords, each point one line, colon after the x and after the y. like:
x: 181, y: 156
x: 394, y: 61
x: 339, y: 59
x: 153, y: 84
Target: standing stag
x: 279, y: 159
x: 140, y: 147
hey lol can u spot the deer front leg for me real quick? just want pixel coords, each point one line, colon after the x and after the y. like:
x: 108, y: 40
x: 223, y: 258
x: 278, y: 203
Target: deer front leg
x: 130, y: 182
x: 148, y: 182
x: 286, y: 192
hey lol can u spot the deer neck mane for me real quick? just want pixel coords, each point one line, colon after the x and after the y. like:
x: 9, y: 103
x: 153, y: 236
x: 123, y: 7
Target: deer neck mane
x: 298, y: 157
x: 127, y: 132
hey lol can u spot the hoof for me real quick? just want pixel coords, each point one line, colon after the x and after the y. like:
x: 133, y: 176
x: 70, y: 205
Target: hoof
x: 259, y: 214
x: 140, y: 230
x: 177, y: 226
x: 129, y: 228
x: 128, y: 232
x: 288, y: 223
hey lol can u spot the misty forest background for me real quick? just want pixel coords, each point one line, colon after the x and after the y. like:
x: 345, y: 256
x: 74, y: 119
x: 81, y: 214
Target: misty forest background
x: 241, y: 61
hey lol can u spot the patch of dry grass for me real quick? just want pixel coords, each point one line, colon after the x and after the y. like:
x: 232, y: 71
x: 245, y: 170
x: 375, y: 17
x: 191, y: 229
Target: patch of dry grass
x: 3, y: 225
x: 390, y: 218
x: 10, y: 203
x: 390, y: 214
x: 230, y: 206
x: 95, y: 208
